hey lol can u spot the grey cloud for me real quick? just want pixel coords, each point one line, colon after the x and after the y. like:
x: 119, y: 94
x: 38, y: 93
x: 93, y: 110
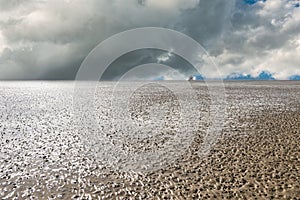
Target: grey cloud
x: 50, y: 39
x: 11, y: 4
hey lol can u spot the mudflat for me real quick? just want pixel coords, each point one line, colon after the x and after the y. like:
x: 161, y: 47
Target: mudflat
x: 44, y: 154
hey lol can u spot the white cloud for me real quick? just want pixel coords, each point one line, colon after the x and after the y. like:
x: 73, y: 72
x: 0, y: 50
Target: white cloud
x: 171, y: 5
x: 164, y: 57
x: 264, y: 38
x: 2, y: 43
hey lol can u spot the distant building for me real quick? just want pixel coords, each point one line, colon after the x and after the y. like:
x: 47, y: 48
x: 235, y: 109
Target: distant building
x: 196, y: 78
x: 191, y: 78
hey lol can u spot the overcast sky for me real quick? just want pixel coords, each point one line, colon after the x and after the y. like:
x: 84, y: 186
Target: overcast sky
x: 48, y: 39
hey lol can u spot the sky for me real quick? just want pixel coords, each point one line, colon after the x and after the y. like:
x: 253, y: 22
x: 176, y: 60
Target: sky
x: 49, y: 39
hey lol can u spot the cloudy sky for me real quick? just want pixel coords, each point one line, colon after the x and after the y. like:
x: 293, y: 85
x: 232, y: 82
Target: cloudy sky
x: 49, y: 39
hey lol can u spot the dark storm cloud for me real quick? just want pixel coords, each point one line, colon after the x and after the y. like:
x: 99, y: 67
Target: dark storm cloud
x: 41, y: 39
x: 139, y: 57
x: 208, y: 21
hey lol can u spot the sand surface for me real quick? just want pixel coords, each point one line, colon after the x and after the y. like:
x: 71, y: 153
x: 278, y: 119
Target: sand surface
x: 43, y: 155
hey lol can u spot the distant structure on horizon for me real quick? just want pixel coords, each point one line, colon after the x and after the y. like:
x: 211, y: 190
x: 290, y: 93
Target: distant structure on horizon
x: 196, y: 78
x: 191, y: 78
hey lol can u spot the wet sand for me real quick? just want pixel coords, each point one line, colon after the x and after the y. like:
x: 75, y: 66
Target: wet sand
x: 257, y: 156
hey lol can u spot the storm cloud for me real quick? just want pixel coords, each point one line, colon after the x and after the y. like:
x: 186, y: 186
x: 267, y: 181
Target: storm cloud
x: 41, y: 39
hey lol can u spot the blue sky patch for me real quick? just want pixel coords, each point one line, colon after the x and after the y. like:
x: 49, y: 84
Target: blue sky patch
x: 251, y: 2
x: 264, y: 75
x: 295, y: 78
